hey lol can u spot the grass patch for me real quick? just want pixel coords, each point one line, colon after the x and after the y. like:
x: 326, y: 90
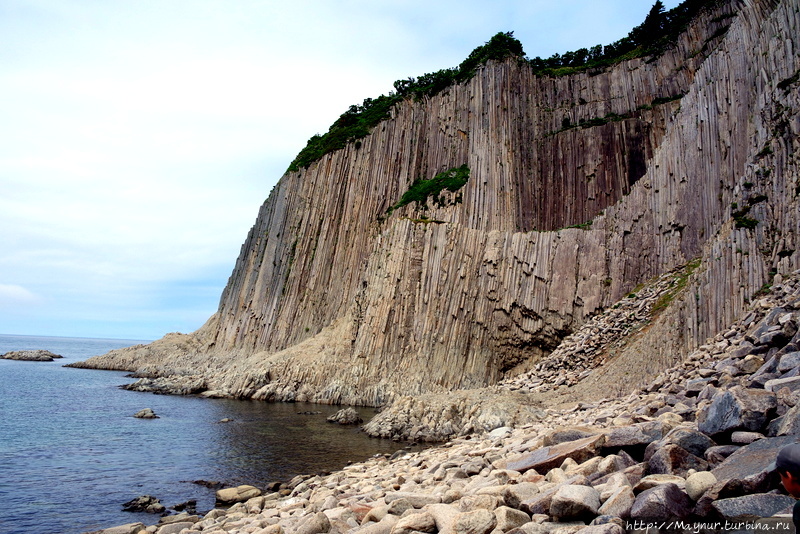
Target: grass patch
x: 678, y: 285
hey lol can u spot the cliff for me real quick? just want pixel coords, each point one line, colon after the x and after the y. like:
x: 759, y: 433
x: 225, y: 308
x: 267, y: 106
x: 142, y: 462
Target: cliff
x: 580, y: 188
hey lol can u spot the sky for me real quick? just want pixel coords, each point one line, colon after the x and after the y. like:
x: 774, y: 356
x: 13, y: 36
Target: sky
x: 138, y: 138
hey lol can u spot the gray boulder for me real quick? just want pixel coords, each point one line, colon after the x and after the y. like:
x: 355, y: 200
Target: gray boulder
x: 674, y: 460
x: 752, y: 506
x: 663, y: 502
x: 146, y: 413
x: 738, y: 408
x: 575, y: 502
x: 346, y: 416
x: 750, y: 465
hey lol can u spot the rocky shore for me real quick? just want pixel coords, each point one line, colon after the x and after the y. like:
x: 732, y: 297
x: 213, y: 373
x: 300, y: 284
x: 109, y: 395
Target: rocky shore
x: 693, y: 447
x: 30, y: 355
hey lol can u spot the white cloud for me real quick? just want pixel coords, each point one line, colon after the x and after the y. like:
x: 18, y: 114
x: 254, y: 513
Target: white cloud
x: 138, y: 139
x: 12, y: 295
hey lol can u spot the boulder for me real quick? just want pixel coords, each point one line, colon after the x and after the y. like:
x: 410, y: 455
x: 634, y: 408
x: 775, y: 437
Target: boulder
x: 692, y: 440
x: 738, y: 408
x: 674, y: 460
x: 417, y: 500
x: 651, y: 481
x: 575, y: 502
x: 237, y: 494
x: 750, y: 465
x: 633, y: 439
x: 663, y: 502
x: 144, y: 503
x: 129, y: 528
x: 752, y: 506
x: 346, y: 416
x: 786, y: 425
x: 698, y: 483
x: 419, y: 521
x: 718, y: 453
x: 146, y: 413
x: 475, y: 522
x: 508, y: 518
x: 315, y: 524
x: 619, y: 504
x: 792, y: 382
x: 547, y: 458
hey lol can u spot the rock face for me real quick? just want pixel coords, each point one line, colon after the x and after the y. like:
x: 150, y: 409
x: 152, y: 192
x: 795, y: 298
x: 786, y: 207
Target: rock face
x: 334, y: 300
x: 31, y: 355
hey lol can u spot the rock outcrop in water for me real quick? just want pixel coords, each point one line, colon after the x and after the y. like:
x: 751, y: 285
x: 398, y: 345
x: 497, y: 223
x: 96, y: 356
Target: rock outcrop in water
x: 581, y: 187
x: 30, y: 355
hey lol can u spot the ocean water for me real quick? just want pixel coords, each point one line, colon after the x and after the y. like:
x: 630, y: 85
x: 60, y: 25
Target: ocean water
x: 71, y: 452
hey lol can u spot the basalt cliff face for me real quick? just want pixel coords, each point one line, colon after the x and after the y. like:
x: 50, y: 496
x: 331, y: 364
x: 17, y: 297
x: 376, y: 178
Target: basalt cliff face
x: 693, y: 154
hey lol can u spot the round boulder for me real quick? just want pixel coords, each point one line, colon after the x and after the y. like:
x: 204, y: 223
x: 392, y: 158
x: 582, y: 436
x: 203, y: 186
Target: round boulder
x: 346, y: 416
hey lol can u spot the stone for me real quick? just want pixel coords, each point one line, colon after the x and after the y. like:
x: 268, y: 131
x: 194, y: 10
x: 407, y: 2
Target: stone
x: 476, y: 522
x: 346, y: 416
x: 562, y: 435
x: 146, y: 413
x: 238, y: 494
x: 717, y: 454
x: 750, y: 465
x: 792, y: 382
x: 546, y: 458
x: 662, y: 502
x: 651, y: 481
x: 674, y: 460
x: 444, y: 515
x: 175, y: 528
x: 420, y: 521
x: 698, y: 483
x: 31, y: 355
x: 748, y: 507
x: 786, y: 425
x: 515, y: 494
x: 741, y: 437
x: 417, y: 500
x: 508, y: 518
x: 128, y: 528
x: 692, y: 440
x: 633, y: 439
x: 574, y: 502
x: 619, y: 504
x: 737, y: 409
x: 144, y: 503
x: 789, y: 361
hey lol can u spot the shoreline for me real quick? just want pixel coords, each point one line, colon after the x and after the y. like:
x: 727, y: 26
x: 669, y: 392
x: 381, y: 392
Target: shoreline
x: 672, y: 450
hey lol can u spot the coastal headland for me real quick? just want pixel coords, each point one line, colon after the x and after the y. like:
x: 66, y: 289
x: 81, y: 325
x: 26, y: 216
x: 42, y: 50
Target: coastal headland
x: 582, y: 277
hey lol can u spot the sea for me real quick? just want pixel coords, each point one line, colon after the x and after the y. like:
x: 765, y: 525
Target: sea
x: 71, y: 452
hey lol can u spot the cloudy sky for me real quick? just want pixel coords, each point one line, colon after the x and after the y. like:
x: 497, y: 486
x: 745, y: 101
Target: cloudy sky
x: 139, y: 137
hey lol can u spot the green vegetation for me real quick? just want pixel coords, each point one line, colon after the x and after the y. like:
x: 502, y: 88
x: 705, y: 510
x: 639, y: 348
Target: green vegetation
x: 678, y: 284
x: 652, y: 37
x: 658, y: 32
x: 451, y: 179
x: 358, y: 121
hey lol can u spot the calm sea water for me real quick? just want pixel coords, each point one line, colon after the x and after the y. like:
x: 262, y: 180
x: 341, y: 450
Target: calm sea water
x: 71, y: 453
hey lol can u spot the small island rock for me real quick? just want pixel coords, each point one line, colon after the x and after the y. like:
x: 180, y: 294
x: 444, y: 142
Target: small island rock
x: 147, y: 413
x: 31, y: 355
x: 346, y: 416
